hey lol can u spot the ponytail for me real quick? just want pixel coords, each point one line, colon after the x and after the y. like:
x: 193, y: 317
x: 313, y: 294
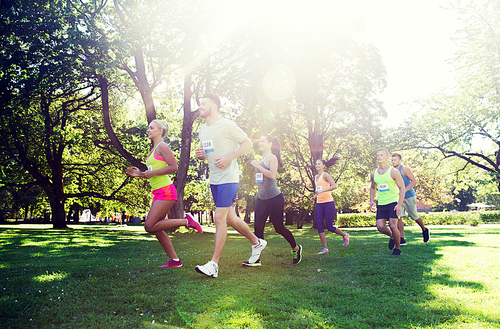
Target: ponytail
x: 275, y: 148
x: 333, y: 161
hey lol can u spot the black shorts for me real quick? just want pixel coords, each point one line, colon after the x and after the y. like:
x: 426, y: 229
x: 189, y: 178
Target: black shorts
x: 386, y: 211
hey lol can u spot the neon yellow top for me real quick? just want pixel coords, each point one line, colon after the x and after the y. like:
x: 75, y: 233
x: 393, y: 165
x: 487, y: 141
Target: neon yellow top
x: 155, y: 162
x: 388, y: 191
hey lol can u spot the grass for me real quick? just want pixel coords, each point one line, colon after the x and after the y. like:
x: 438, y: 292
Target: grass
x: 99, y: 277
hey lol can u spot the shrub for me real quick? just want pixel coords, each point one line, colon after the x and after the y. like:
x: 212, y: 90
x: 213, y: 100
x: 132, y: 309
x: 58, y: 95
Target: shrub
x: 356, y: 220
x: 433, y: 218
x: 449, y: 218
x: 490, y: 216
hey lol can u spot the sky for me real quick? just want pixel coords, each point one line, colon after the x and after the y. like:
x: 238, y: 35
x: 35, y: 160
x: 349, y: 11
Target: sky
x: 414, y: 38
x: 415, y: 41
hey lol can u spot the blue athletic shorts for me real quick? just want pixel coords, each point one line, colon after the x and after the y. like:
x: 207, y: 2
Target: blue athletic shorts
x: 224, y: 194
x: 387, y: 211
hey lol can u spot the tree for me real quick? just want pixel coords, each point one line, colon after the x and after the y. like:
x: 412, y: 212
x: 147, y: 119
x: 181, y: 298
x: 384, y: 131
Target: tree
x: 45, y: 90
x: 151, y: 42
x: 453, y: 123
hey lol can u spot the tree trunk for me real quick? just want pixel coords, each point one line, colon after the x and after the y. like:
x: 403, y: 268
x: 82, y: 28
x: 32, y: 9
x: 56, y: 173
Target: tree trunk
x: 289, y: 217
x: 302, y: 218
x: 315, y: 226
x: 58, y: 215
x: 141, y: 81
x: 103, y: 84
x: 177, y: 210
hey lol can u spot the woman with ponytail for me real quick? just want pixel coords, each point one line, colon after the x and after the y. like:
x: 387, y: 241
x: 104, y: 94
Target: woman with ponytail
x: 270, y: 201
x: 325, y: 206
x: 161, y: 162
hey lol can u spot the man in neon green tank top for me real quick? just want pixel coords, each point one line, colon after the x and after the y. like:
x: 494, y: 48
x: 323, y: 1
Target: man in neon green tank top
x: 391, y: 193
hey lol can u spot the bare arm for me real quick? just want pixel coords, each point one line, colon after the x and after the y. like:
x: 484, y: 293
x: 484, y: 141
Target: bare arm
x: 411, y: 177
x: 244, y: 147
x: 330, y: 180
x: 401, y: 185
x: 166, y: 153
x: 272, y: 173
x: 200, y: 153
x: 373, y: 190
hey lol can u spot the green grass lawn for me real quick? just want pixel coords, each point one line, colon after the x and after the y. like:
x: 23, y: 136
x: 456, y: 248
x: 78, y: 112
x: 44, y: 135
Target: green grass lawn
x: 107, y: 277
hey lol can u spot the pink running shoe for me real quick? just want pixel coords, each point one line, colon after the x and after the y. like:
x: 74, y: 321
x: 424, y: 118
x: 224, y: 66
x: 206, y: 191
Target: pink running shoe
x: 346, y: 240
x: 192, y: 223
x: 172, y: 263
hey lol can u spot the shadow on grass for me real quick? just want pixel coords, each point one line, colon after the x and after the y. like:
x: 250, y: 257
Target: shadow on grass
x: 103, y: 278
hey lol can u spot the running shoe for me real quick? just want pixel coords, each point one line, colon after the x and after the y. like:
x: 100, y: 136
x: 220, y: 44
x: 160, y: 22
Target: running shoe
x: 209, y: 269
x: 391, y: 244
x: 396, y: 252
x: 297, y: 255
x: 324, y: 251
x: 256, y: 250
x: 246, y: 263
x: 345, y: 240
x: 192, y: 223
x: 172, y: 263
x: 402, y: 242
x: 426, y: 234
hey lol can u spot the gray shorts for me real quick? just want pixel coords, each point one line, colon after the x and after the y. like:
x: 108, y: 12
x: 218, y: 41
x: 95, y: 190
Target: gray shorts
x: 409, y: 208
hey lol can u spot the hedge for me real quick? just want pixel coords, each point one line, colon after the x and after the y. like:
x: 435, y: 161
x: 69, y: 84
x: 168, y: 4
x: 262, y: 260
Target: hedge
x: 435, y: 218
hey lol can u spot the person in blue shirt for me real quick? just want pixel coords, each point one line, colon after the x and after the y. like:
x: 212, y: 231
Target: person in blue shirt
x: 409, y: 207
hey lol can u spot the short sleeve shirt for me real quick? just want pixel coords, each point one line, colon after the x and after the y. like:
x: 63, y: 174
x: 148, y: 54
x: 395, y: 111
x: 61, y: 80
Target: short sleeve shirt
x: 218, y: 140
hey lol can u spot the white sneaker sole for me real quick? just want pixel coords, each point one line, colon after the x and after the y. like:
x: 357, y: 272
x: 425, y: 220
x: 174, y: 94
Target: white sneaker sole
x: 198, y: 269
x: 257, y: 263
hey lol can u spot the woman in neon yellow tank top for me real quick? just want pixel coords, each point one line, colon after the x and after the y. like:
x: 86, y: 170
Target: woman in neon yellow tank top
x: 160, y: 163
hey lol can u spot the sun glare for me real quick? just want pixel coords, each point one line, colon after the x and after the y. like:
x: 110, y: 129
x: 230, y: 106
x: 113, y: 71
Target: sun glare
x: 293, y: 16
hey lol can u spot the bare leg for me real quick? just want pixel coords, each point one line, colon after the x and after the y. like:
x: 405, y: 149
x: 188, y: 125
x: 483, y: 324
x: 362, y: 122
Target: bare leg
x: 382, y: 228
x: 322, y: 237
x: 223, y: 217
x: 340, y: 232
x: 156, y: 223
x: 239, y: 225
x: 393, y: 223
x: 156, y: 220
x: 401, y: 228
x: 220, y: 232
x: 420, y: 223
x: 166, y: 243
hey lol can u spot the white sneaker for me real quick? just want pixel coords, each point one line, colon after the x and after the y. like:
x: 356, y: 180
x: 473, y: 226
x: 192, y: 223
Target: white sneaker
x: 324, y: 251
x: 256, y: 250
x: 209, y: 269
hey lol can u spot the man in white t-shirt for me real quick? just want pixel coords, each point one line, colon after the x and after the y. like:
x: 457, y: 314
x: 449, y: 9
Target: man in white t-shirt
x: 222, y: 142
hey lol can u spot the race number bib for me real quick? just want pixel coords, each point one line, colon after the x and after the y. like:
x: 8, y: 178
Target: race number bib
x: 259, y: 177
x: 208, y: 145
x: 319, y: 188
x: 150, y: 167
x: 383, y: 187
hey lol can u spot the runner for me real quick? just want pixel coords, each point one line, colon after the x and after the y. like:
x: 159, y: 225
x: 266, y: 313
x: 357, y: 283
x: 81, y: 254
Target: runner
x: 270, y: 201
x: 325, y: 206
x: 161, y: 162
x: 387, y: 181
x: 222, y: 142
x: 410, y: 202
